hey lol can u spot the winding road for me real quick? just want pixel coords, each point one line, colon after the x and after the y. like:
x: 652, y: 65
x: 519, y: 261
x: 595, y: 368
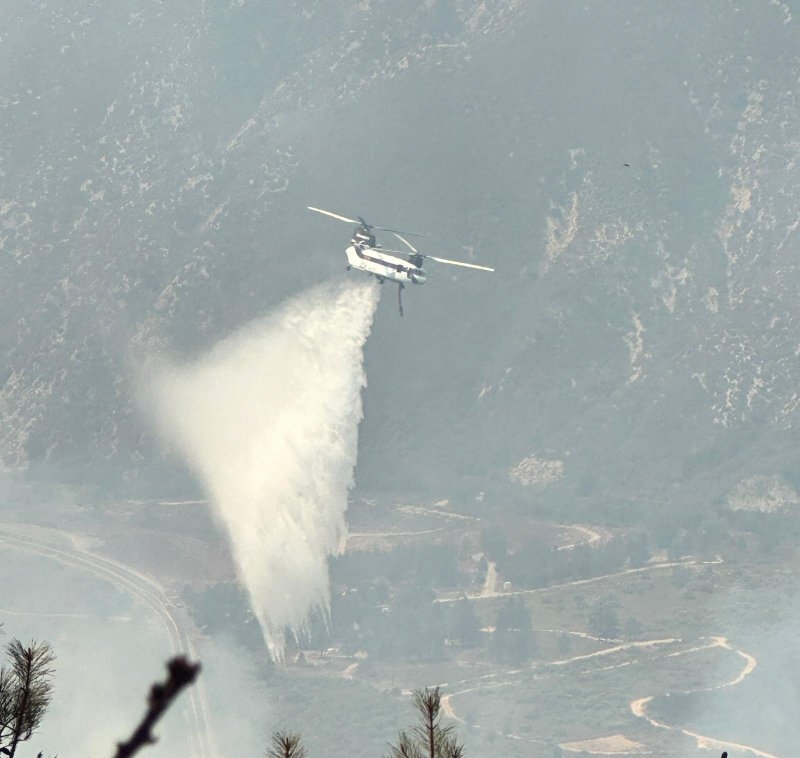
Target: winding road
x: 688, y: 563
x: 639, y: 706
x: 146, y: 591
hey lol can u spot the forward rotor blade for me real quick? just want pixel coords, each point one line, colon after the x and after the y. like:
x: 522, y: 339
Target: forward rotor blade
x: 333, y: 215
x: 459, y: 263
x: 405, y: 242
x: 395, y: 231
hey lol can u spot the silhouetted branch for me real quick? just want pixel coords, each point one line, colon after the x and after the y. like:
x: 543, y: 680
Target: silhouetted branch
x: 181, y: 674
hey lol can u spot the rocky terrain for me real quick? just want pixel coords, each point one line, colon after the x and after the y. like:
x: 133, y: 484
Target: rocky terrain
x: 630, y: 168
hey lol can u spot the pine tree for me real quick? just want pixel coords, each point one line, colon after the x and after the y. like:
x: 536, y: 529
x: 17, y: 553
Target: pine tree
x: 286, y: 745
x: 429, y: 739
x: 26, y: 688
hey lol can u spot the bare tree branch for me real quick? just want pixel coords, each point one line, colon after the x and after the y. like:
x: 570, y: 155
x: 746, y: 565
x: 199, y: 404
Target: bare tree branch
x: 181, y: 674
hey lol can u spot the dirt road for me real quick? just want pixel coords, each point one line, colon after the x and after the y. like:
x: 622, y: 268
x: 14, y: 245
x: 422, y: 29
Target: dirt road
x: 639, y: 707
x: 689, y: 563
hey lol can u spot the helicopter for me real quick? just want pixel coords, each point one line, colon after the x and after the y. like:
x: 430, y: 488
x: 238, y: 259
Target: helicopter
x: 364, y: 254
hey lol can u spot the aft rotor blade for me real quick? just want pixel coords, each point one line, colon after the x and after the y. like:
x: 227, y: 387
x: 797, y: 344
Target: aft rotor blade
x: 333, y: 215
x: 405, y: 242
x: 395, y: 231
x: 459, y: 263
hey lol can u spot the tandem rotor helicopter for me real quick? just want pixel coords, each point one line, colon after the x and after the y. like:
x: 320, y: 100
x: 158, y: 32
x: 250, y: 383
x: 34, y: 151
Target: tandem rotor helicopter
x: 363, y: 253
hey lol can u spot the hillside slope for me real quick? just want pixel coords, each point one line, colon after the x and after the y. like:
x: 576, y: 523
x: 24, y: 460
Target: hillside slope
x: 629, y: 168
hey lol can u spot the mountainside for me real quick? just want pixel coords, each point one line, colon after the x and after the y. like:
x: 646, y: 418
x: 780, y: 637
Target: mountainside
x: 629, y: 167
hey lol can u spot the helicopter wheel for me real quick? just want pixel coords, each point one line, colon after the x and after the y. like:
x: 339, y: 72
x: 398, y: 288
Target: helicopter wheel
x: 347, y: 268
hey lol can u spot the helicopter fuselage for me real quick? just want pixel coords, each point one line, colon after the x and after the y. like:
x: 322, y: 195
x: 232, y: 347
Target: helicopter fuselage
x: 364, y: 254
x: 385, y: 264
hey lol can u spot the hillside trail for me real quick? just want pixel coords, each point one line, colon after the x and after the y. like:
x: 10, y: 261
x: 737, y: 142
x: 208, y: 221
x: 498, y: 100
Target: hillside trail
x: 512, y: 677
x: 585, y: 535
x: 590, y: 536
x: 490, y: 583
x: 639, y: 707
x: 689, y: 563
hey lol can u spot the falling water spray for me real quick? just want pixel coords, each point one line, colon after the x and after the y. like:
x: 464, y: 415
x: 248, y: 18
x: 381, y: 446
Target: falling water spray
x: 268, y: 420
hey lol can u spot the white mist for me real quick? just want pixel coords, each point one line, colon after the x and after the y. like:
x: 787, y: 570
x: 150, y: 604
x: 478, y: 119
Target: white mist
x: 268, y: 420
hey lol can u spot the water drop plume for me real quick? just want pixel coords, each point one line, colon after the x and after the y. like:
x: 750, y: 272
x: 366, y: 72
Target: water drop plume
x: 268, y: 420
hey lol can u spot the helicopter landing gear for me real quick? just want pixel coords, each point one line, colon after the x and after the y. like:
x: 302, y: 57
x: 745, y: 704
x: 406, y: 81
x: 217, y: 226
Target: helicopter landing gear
x: 347, y: 268
x: 400, y: 298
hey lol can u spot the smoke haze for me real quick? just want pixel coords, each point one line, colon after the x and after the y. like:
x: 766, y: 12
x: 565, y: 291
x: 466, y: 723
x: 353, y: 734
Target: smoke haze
x: 268, y: 420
